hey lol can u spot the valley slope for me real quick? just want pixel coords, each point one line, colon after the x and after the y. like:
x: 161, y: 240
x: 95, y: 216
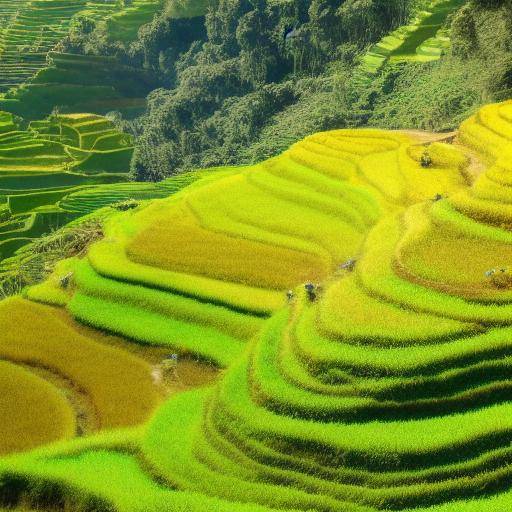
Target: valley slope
x: 327, y: 329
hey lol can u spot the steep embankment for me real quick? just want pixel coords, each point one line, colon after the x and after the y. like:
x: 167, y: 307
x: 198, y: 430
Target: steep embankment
x: 388, y: 392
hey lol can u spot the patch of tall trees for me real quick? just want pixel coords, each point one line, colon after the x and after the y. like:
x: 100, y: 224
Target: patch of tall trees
x: 258, y: 57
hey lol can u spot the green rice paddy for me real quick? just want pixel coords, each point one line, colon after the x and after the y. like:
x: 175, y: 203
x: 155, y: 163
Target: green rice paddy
x: 426, y: 38
x: 352, y: 297
x: 389, y: 391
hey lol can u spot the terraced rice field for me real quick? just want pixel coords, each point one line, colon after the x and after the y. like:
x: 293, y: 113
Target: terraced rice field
x: 30, y: 29
x: 424, y: 39
x: 35, y: 79
x: 389, y: 390
x: 46, y: 162
x: 124, y: 24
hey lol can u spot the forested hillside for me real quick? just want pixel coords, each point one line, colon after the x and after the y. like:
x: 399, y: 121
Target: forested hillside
x: 252, y: 77
x: 259, y: 59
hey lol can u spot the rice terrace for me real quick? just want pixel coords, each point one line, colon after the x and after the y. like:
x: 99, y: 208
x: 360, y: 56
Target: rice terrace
x: 255, y: 255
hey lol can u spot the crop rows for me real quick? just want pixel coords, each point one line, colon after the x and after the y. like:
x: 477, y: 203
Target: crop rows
x: 32, y: 28
x: 80, y: 83
x: 50, y: 160
x: 388, y: 389
x: 424, y: 39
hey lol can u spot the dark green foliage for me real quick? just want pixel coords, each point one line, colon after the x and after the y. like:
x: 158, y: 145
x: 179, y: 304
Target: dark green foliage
x: 435, y: 96
x: 320, y: 105
x: 261, y: 58
x: 162, y: 41
x: 464, y: 32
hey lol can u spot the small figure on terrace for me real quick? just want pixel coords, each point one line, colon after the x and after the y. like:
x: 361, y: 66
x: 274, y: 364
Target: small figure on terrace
x: 170, y: 367
x: 311, y: 291
x: 426, y: 160
x: 65, y: 281
x: 349, y: 265
x: 501, y: 278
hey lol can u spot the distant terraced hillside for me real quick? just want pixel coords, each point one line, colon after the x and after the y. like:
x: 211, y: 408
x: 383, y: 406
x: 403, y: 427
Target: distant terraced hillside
x: 389, y: 390
x: 89, y: 83
x: 32, y: 28
x: 80, y: 83
x: 424, y: 39
x: 47, y: 162
x: 124, y: 24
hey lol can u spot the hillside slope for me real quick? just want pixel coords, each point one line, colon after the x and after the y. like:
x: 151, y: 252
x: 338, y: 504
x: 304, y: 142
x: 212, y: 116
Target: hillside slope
x: 36, y: 79
x: 31, y: 28
x: 387, y: 388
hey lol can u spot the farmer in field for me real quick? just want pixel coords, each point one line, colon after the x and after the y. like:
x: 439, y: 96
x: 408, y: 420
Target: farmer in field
x: 500, y: 278
x: 65, y: 281
x: 310, y: 291
x: 170, y: 367
x: 349, y: 265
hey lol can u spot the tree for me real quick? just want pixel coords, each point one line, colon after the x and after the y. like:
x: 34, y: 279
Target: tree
x: 258, y: 53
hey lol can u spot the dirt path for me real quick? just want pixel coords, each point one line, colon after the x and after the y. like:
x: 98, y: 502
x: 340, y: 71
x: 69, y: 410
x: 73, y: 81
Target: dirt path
x: 477, y: 165
x: 424, y: 137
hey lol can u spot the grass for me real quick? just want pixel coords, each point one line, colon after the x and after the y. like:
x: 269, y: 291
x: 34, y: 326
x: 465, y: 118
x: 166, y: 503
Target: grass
x: 36, y: 78
x: 71, y: 148
x: 32, y: 29
x: 279, y: 212
x: 387, y: 379
x: 124, y: 25
x: 225, y: 254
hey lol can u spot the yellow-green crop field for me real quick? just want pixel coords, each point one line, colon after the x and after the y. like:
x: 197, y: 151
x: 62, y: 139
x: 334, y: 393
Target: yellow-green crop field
x: 386, y: 387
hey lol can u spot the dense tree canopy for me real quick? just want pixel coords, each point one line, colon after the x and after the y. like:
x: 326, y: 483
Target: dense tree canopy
x: 252, y: 76
x: 255, y: 61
